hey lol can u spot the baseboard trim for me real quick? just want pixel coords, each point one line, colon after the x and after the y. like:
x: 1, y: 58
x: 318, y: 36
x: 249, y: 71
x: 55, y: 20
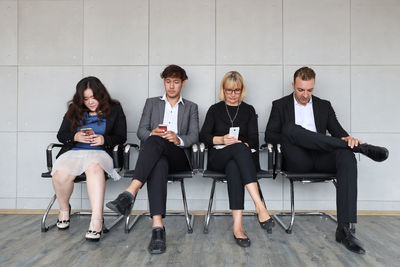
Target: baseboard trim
x: 203, y: 212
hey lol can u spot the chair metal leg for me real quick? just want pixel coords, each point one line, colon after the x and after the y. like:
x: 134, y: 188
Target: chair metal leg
x: 107, y: 228
x: 45, y: 228
x: 128, y: 225
x: 189, y: 221
x: 189, y: 218
x: 292, y: 213
x: 210, y: 213
x: 210, y: 203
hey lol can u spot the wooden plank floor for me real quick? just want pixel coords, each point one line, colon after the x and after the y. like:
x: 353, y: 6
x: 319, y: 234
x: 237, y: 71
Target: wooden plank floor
x: 311, y: 244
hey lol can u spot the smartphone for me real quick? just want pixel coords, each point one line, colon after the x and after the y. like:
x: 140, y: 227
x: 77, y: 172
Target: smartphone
x: 162, y: 127
x: 87, y: 131
x: 234, y: 131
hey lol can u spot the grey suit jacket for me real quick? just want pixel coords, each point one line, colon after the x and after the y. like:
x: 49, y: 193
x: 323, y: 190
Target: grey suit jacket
x: 188, y: 120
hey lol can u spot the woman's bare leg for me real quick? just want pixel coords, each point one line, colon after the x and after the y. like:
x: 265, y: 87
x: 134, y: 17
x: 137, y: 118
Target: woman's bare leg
x: 63, y: 184
x: 261, y: 210
x: 96, y: 185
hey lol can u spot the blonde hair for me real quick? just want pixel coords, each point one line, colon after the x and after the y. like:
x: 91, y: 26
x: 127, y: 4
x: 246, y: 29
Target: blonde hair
x: 230, y: 79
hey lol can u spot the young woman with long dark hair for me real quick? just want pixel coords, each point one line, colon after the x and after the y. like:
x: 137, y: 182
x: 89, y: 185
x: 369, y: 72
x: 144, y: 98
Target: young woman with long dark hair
x: 92, y: 126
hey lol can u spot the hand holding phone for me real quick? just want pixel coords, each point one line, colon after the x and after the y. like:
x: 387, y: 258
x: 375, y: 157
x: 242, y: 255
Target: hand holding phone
x: 160, y: 130
x: 232, y: 137
x: 234, y: 132
x: 81, y: 137
x: 87, y: 131
x: 162, y: 127
x: 97, y: 140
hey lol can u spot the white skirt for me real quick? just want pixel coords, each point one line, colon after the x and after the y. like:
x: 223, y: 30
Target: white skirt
x: 76, y: 162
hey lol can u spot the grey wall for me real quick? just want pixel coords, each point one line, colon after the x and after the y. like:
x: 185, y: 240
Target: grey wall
x: 47, y: 46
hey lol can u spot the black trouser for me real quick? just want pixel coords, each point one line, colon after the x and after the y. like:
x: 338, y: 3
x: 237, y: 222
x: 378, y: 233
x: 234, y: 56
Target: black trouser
x: 156, y: 159
x: 307, y: 151
x: 236, y: 161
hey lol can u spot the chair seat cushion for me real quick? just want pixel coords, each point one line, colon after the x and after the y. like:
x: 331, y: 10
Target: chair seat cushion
x: 78, y: 179
x: 180, y: 175
x: 309, y: 176
x: 264, y: 174
x: 171, y: 176
x: 46, y: 175
x: 214, y: 174
x: 219, y: 175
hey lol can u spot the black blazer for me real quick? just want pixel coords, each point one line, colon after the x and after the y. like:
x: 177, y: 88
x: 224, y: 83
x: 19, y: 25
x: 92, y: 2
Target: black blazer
x: 115, y: 131
x: 282, y: 112
x: 217, y: 123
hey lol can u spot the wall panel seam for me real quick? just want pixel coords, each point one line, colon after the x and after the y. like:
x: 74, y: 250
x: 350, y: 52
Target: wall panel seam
x: 17, y: 119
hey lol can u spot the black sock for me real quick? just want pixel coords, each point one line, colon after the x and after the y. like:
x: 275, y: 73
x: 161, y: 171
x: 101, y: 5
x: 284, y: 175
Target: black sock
x: 343, y: 225
x: 157, y: 227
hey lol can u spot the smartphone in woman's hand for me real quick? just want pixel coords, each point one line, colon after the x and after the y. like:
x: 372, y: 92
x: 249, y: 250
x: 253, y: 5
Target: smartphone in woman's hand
x: 87, y: 131
x: 234, y: 131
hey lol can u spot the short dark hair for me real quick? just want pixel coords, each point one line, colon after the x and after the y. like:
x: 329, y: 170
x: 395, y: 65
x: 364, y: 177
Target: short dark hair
x: 304, y: 73
x: 174, y: 71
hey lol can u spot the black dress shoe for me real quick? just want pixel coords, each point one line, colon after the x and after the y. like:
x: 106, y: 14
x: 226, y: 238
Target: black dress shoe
x: 267, y: 225
x: 344, y: 236
x: 157, y: 243
x: 122, y: 204
x: 375, y: 153
x: 243, y: 242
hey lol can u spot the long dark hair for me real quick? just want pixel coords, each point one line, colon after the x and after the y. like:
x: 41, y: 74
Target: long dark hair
x: 76, y: 106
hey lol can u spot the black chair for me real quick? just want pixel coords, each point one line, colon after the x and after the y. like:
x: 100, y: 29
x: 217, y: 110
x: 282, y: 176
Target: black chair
x: 221, y: 177
x: 79, y: 179
x: 303, y: 178
x: 172, y: 178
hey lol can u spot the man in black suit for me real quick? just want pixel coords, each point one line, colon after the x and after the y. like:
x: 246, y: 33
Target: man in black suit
x: 299, y: 123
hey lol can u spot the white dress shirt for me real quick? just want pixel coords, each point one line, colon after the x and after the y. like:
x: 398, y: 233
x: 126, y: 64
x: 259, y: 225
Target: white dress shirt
x: 304, y: 115
x: 171, y: 116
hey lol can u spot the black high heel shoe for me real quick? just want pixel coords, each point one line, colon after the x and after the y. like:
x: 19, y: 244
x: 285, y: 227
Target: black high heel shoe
x: 243, y: 242
x: 64, y: 224
x: 92, y: 235
x: 267, y: 225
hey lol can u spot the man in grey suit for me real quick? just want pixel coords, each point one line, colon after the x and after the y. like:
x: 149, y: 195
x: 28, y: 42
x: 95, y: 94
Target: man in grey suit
x: 168, y: 124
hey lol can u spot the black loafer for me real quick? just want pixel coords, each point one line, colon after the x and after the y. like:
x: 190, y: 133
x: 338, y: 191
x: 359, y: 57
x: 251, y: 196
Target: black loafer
x: 157, y: 243
x: 345, y: 236
x: 375, y: 153
x: 243, y: 242
x: 267, y: 225
x: 122, y: 204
